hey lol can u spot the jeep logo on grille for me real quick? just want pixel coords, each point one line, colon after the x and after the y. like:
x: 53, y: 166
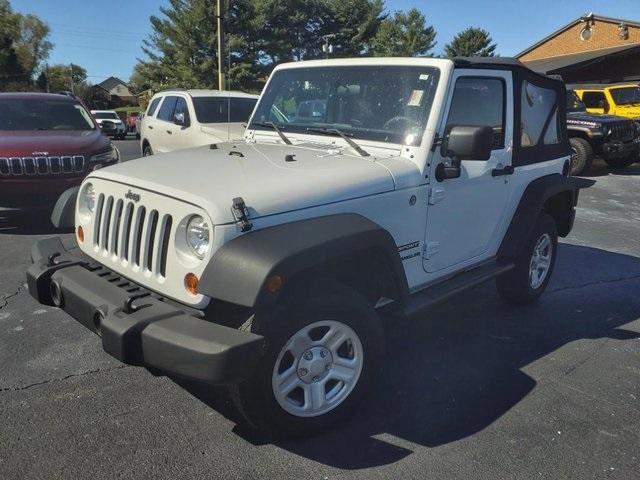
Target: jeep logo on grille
x: 132, y: 196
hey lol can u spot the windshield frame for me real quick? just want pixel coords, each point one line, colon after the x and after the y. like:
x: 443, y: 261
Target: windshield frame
x: 82, y: 111
x: 616, y: 90
x: 360, y: 134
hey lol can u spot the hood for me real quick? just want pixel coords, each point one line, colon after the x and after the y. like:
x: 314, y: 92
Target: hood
x: 53, y: 142
x: 112, y: 120
x: 594, y: 117
x: 631, y: 111
x: 270, y: 178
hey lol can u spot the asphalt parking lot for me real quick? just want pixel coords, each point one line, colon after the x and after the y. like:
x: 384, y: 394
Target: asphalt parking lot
x: 474, y: 389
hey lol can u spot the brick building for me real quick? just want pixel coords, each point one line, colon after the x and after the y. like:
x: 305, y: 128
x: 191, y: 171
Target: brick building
x: 592, y: 48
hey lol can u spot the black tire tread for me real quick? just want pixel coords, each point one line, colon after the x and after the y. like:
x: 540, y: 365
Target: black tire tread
x: 514, y: 286
x: 585, y: 156
x: 253, y: 399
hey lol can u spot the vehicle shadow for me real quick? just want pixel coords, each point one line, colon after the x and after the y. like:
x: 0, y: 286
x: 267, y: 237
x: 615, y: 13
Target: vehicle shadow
x: 28, y: 222
x: 599, y: 168
x: 456, y: 369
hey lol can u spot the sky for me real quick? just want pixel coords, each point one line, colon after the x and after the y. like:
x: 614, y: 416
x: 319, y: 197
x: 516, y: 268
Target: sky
x: 105, y: 37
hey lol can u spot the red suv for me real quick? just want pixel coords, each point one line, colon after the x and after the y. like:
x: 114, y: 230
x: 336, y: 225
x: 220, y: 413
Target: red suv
x: 48, y: 143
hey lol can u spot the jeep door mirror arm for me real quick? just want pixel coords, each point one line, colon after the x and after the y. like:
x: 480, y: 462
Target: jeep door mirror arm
x: 445, y: 172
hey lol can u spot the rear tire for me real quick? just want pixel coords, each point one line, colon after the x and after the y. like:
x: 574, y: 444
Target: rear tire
x: 622, y: 162
x: 310, y: 377
x: 147, y: 151
x: 533, y: 268
x: 581, y: 157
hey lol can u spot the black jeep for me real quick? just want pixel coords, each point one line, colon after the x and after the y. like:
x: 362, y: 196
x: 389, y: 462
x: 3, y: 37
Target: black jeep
x: 613, y: 138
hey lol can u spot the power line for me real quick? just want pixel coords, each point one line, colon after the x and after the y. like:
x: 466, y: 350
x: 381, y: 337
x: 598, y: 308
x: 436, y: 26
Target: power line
x: 71, y: 27
x: 120, y: 50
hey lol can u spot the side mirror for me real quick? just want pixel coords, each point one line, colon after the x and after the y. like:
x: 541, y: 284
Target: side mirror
x: 178, y: 118
x: 468, y: 143
x: 464, y: 143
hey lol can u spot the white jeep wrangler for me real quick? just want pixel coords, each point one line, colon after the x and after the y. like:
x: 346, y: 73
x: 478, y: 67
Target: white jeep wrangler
x: 261, y: 264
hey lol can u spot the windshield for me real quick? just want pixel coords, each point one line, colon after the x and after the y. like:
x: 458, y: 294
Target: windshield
x: 626, y: 95
x: 215, y: 109
x: 106, y: 115
x: 26, y: 115
x: 574, y: 104
x: 384, y: 103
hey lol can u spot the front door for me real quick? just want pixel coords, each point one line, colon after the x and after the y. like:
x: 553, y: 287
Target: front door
x: 465, y: 214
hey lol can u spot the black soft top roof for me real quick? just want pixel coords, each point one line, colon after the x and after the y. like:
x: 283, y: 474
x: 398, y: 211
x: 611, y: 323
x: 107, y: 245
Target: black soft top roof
x: 486, y: 62
x: 523, y: 76
x: 499, y: 63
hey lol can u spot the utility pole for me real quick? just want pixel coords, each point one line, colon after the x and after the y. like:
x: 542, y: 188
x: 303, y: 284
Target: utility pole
x: 327, y: 48
x: 71, y: 77
x: 219, y: 15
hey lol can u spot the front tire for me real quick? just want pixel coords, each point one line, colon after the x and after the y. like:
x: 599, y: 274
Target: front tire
x: 581, y: 156
x: 532, y: 272
x: 323, y: 355
x: 147, y: 151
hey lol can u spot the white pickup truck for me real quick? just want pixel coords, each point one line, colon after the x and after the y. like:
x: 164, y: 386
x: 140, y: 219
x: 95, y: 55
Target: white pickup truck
x: 178, y: 119
x: 360, y: 183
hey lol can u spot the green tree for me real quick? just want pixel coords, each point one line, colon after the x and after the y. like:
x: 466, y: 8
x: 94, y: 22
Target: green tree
x: 472, y: 42
x: 23, y: 47
x: 354, y: 24
x: 406, y: 34
x: 259, y: 34
x: 59, y: 77
x: 10, y: 69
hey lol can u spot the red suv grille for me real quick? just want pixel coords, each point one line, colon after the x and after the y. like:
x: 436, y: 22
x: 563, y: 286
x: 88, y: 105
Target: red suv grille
x: 34, y: 166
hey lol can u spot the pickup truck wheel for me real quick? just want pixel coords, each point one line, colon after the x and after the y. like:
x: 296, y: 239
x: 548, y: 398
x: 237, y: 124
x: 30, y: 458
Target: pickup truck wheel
x: 146, y: 151
x: 581, y: 156
x: 533, y: 268
x: 623, y: 162
x: 323, y: 355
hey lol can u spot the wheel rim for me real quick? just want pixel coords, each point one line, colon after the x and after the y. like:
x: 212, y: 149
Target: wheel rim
x: 574, y: 158
x: 540, y: 261
x: 317, y: 369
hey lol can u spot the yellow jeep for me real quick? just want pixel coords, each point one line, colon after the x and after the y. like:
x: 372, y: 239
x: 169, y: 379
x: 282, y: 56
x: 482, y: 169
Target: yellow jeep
x: 622, y: 100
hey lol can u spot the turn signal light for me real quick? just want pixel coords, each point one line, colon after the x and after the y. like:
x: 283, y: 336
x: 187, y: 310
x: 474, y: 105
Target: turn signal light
x: 274, y: 283
x: 191, y: 284
x: 80, y: 234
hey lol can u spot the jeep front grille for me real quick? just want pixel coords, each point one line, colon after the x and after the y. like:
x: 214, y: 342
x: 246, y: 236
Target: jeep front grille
x: 40, y: 166
x: 131, y: 234
x: 622, y: 131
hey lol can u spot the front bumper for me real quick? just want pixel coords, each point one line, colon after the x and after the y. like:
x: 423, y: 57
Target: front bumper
x: 136, y: 327
x: 614, y: 149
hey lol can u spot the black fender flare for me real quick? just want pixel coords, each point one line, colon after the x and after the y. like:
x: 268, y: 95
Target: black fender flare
x: 532, y: 203
x: 238, y: 271
x: 64, y: 211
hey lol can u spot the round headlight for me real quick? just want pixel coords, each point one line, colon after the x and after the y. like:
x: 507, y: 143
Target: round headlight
x: 198, y: 235
x: 88, y: 198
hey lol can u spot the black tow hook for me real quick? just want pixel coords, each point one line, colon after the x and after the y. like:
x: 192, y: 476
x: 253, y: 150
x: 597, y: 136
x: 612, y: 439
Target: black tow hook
x: 128, y: 303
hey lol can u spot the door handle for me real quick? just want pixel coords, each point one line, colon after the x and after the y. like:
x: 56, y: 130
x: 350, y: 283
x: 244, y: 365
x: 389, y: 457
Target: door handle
x: 169, y: 132
x: 150, y: 127
x: 498, y: 172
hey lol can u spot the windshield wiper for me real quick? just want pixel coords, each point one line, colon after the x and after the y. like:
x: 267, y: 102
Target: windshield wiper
x: 334, y: 131
x: 276, y: 128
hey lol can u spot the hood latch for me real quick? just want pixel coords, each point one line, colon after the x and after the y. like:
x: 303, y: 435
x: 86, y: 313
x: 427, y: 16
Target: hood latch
x: 241, y: 214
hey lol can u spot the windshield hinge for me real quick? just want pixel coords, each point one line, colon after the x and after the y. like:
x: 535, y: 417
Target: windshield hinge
x: 437, y: 142
x: 241, y: 214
